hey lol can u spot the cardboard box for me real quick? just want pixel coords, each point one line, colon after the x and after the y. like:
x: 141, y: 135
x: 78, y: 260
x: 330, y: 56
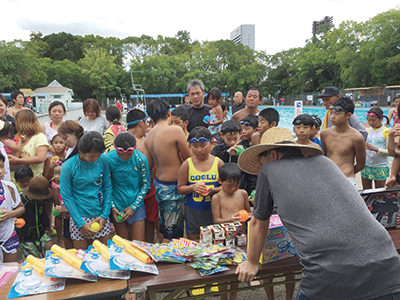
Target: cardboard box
x: 279, y: 244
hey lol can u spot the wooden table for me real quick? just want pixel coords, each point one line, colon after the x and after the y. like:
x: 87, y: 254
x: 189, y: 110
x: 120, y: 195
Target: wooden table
x: 75, y: 289
x: 179, y: 279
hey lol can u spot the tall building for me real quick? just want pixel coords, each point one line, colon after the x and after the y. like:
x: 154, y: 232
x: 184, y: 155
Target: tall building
x: 244, y: 34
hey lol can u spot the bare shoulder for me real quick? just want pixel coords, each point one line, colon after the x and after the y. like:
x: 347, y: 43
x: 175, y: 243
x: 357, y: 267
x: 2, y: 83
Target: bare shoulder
x: 243, y: 193
x: 216, y: 197
x: 356, y: 134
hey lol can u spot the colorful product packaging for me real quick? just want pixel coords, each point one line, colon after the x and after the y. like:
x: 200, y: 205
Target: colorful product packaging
x: 279, y: 245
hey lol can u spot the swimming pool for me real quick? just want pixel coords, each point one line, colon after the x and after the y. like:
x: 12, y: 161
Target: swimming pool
x: 286, y: 114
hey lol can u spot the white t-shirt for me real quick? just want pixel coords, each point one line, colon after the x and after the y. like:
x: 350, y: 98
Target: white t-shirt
x: 100, y: 124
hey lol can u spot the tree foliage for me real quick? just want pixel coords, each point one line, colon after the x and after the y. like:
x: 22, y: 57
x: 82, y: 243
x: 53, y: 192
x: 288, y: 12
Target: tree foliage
x: 351, y: 55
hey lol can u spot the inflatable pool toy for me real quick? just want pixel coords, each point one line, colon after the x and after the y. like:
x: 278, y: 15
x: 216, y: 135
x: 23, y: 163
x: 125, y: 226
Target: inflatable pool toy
x: 243, y: 215
x: 95, y: 226
x: 19, y: 222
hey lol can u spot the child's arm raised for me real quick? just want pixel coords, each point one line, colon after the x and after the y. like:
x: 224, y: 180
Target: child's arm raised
x: 359, y: 148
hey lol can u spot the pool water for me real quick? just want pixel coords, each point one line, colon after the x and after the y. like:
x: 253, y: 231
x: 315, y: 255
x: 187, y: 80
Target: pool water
x: 286, y: 114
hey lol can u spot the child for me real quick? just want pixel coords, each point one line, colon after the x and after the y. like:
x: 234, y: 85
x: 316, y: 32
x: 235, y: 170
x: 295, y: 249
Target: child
x: 180, y: 117
x: 343, y: 144
x: 130, y: 177
x: 228, y: 202
x: 267, y: 118
x: 394, y: 112
x: 314, y: 136
x: 198, y: 180
x: 86, y: 189
x: 216, y: 114
x: 113, y: 116
x: 376, y: 165
x: 7, y: 146
x: 137, y: 122
x: 59, y: 147
x: 62, y: 217
x: 34, y: 236
x: 167, y: 147
x: 303, y: 127
x: 231, y: 131
x: 249, y: 126
x: 10, y: 146
x: 225, y: 110
x: 10, y: 207
x: 22, y: 175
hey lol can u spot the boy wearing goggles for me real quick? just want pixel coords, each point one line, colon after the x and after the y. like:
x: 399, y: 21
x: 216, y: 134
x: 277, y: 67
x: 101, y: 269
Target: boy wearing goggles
x: 344, y: 144
x: 198, y: 180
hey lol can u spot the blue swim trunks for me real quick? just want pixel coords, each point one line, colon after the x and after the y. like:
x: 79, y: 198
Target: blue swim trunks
x: 139, y: 215
x: 171, y: 208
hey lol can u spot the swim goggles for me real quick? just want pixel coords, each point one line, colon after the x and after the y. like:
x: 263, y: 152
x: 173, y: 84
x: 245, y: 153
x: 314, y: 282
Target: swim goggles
x: 372, y: 114
x: 337, y: 108
x: 245, y: 123
x: 304, y: 122
x: 122, y: 150
x: 137, y: 121
x: 199, y: 140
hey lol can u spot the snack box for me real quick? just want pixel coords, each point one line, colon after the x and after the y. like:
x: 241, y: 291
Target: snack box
x: 218, y: 232
x: 279, y: 245
x: 206, y: 236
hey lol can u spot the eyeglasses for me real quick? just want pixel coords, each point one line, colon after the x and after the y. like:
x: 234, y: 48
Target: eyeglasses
x: 122, y: 150
x: 199, y: 140
x: 337, y: 108
x: 137, y: 121
x: 245, y: 123
x: 372, y: 114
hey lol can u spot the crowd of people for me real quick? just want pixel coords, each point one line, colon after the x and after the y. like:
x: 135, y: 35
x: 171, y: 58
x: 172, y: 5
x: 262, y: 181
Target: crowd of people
x: 164, y: 173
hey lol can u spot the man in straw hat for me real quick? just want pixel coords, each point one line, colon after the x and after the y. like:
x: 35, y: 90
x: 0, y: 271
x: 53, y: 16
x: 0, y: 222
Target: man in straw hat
x: 345, y: 252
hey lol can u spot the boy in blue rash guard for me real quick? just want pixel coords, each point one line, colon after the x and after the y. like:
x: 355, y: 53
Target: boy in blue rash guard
x: 130, y: 178
x: 86, y: 190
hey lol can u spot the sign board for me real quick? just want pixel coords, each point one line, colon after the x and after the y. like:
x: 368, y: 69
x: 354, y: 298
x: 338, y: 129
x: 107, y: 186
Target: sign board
x: 298, y: 108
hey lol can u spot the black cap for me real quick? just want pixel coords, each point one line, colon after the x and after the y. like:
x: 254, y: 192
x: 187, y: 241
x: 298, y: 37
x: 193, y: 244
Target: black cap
x: 329, y: 91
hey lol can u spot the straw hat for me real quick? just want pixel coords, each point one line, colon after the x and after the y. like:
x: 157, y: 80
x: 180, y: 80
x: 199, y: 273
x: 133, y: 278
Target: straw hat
x: 38, y: 188
x: 275, y: 137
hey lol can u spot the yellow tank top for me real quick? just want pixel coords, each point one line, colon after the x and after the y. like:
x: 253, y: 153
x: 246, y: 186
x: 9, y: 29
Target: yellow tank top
x: 210, y: 178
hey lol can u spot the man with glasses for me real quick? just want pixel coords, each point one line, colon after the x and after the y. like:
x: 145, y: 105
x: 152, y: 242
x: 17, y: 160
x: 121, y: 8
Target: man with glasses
x: 329, y: 95
x: 344, y: 144
x: 253, y: 100
x: 198, y: 111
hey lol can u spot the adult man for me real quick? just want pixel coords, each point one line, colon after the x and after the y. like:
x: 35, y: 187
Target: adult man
x: 198, y: 111
x: 329, y: 95
x: 239, y: 103
x: 253, y: 100
x: 187, y: 105
x: 18, y: 98
x: 345, y: 252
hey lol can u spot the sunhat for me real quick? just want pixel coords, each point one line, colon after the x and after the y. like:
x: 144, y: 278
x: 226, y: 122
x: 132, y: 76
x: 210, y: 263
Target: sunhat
x: 38, y: 188
x: 273, y: 138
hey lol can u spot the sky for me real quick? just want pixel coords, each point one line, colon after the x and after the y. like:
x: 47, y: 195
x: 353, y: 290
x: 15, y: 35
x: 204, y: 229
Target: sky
x: 279, y: 25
